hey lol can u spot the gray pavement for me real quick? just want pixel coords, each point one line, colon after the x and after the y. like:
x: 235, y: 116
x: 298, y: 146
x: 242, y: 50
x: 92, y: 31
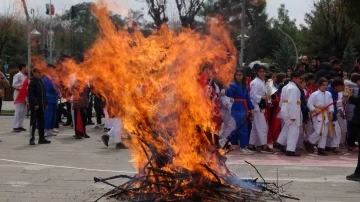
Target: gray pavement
x: 64, y: 170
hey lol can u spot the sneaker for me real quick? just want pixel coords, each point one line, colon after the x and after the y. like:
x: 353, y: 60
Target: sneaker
x: 308, y: 146
x: 120, y: 146
x: 246, y: 151
x: 90, y: 123
x: 22, y: 129
x: 54, y: 130
x: 44, y: 141
x: 66, y: 124
x: 353, y: 177
x: 337, y: 151
x: 253, y: 148
x: 78, y: 137
x: 328, y: 149
x: 321, y: 152
x: 105, y: 140
x: 31, y: 142
x: 280, y: 147
x: 49, y: 133
x: 96, y: 126
x: 16, y: 130
x: 267, y: 150
x: 290, y: 153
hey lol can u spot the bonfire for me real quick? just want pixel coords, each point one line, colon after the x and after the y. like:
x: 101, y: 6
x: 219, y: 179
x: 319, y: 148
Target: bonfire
x: 153, y: 83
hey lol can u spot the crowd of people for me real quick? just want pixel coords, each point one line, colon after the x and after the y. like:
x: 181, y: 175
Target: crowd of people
x: 315, y: 107
x: 50, y: 104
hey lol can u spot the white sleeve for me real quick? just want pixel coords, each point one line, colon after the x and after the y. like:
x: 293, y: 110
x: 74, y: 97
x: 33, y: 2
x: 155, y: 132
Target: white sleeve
x: 292, y: 102
x: 254, y: 92
x: 311, y: 102
x: 17, y: 83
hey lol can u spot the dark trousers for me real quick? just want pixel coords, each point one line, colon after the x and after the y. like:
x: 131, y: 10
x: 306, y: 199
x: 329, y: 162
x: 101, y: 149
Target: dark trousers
x: 37, y: 119
x: 98, y: 109
x: 62, y: 111
x: 0, y: 104
x: 89, y: 110
x: 80, y: 121
x: 356, y: 130
x: 352, y: 134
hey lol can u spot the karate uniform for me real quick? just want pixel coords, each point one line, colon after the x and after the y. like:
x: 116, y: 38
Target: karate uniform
x: 334, y: 141
x: 320, y: 122
x: 228, y: 121
x: 239, y: 111
x: 116, y: 127
x: 290, y: 109
x: 260, y: 127
x: 20, y: 108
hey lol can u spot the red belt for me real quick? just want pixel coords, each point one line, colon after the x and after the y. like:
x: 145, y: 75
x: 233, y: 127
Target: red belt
x: 245, y: 104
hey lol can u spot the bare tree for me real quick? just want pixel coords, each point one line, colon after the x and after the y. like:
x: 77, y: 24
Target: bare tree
x: 187, y: 11
x: 157, y: 11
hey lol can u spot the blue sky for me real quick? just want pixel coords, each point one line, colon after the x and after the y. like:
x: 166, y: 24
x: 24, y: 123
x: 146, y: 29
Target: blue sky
x: 297, y: 8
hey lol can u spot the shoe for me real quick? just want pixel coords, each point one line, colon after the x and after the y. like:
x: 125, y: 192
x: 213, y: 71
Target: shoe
x: 44, y: 141
x: 337, y: 151
x: 54, y: 130
x: 22, y: 129
x: 321, y: 152
x: 31, y: 142
x: 290, y: 153
x: 49, y: 133
x: 78, y: 137
x: 280, y: 147
x: 308, y: 146
x: 105, y: 139
x: 266, y: 150
x: 353, y: 177
x: 66, y: 124
x: 253, y: 148
x: 328, y: 149
x: 106, y: 130
x: 96, y: 126
x: 246, y: 151
x: 90, y: 123
x: 86, y: 136
x: 16, y: 130
x: 120, y: 146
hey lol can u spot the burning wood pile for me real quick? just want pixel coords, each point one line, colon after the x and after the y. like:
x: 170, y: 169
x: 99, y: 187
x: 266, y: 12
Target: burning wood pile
x: 155, y: 85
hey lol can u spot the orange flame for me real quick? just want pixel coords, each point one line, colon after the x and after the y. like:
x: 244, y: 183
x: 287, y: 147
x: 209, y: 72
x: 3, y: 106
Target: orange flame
x: 153, y: 84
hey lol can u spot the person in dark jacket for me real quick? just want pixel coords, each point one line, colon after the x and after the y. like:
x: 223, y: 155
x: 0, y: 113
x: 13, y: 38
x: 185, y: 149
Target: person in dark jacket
x: 336, y: 68
x: 355, y: 100
x: 324, y: 71
x: 356, y: 68
x: 81, y: 103
x: 38, y: 104
x: 316, y: 61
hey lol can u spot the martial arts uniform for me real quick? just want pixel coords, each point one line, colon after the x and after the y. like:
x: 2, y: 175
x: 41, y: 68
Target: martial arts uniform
x: 228, y: 121
x: 319, y: 100
x: 240, y: 111
x: 334, y: 140
x: 20, y: 105
x: 51, y: 111
x: 291, y: 115
x: 260, y: 127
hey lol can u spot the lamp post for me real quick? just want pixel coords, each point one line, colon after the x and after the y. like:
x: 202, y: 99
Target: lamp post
x: 242, y: 46
x: 31, y: 33
x: 293, y: 42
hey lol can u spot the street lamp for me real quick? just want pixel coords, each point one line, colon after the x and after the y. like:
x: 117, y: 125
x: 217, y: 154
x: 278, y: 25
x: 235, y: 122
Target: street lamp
x: 242, y: 46
x: 32, y: 33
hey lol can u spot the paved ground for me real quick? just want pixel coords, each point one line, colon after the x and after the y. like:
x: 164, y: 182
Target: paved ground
x: 64, y: 170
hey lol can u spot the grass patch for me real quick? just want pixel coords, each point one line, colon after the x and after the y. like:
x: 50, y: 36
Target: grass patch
x: 7, y: 111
